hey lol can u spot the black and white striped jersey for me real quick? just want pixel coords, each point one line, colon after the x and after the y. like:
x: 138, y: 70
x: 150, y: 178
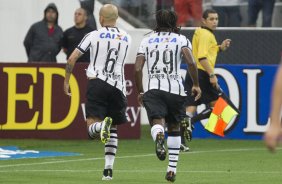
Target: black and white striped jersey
x: 162, y: 52
x: 108, y: 49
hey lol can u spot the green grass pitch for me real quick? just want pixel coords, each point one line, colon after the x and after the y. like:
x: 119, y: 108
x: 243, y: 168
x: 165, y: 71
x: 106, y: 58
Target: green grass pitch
x: 208, y: 162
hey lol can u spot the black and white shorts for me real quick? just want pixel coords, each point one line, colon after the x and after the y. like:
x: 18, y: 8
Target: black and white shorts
x: 160, y: 104
x: 104, y: 100
x: 209, y: 93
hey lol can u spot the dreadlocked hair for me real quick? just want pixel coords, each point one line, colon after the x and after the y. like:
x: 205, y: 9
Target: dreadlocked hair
x: 166, y: 21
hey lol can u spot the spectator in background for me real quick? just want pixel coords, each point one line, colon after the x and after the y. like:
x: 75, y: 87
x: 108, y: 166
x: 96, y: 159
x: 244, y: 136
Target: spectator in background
x: 273, y: 135
x: 228, y: 11
x: 74, y: 35
x: 42, y: 42
x: 189, y: 12
x: 88, y: 5
x: 254, y: 8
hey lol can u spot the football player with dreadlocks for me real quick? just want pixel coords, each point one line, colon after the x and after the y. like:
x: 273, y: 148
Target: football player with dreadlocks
x: 165, y: 96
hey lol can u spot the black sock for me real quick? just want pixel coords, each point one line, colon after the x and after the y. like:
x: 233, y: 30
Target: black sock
x: 182, y: 135
x: 202, y: 115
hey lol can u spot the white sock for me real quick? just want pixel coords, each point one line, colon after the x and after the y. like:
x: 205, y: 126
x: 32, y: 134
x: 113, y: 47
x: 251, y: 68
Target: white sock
x: 155, y: 130
x: 111, y: 149
x: 173, y: 146
x: 94, y: 129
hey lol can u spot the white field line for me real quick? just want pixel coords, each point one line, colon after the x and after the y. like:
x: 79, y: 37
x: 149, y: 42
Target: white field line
x: 143, y: 171
x: 131, y: 156
x: 74, y: 160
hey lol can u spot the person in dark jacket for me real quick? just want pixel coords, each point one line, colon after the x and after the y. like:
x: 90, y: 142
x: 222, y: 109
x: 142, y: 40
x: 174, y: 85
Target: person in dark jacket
x: 75, y: 34
x: 43, y: 39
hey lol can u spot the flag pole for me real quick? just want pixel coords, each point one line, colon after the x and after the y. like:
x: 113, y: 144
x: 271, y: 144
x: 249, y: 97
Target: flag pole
x: 225, y: 97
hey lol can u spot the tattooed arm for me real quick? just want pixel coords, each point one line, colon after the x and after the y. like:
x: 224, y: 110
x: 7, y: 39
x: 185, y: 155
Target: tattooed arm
x: 69, y: 67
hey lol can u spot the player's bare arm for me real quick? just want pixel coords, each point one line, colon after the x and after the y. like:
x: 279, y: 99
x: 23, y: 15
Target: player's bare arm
x: 213, y: 79
x: 139, y: 64
x: 274, y: 133
x: 193, y: 71
x: 69, y: 67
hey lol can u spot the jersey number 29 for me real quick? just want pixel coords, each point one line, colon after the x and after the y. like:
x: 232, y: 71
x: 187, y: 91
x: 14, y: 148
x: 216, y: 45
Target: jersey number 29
x: 167, y: 58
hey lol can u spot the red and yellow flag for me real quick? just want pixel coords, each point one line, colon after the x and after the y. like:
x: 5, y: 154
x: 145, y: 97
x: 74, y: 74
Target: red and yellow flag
x: 221, y: 115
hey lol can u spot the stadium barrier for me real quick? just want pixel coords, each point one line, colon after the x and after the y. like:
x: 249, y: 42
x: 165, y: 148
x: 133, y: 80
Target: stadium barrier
x: 33, y: 103
x: 249, y: 88
x: 248, y: 45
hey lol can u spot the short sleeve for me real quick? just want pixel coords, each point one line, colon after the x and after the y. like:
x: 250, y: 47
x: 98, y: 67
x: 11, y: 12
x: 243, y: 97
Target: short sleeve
x: 85, y: 43
x: 186, y: 43
x: 141, y: 49
x: 203, y: 46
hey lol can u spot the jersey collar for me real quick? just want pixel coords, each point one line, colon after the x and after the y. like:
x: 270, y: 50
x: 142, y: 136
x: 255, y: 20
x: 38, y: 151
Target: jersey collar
x: 204, y: 27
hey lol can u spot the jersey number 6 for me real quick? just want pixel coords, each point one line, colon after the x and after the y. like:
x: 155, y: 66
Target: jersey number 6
x: 112, y: 57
